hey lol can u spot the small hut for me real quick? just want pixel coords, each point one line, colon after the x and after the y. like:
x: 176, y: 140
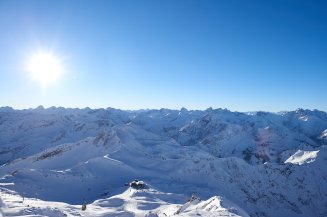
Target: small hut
x: 137, y: 184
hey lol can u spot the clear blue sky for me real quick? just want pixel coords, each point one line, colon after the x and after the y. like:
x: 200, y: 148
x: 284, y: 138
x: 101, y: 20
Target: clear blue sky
x: 239, y: 55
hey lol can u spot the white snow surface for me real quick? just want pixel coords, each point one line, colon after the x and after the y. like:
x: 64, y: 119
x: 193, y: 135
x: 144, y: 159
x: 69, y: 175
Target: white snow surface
x: 237, y: 164
x: 300, y: 157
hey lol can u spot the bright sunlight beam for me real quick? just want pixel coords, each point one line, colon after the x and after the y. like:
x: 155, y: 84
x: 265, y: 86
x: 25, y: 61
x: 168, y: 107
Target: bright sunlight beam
x: 45, y: 68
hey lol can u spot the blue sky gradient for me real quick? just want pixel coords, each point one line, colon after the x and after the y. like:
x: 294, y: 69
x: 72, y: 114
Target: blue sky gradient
x: 239, y: 55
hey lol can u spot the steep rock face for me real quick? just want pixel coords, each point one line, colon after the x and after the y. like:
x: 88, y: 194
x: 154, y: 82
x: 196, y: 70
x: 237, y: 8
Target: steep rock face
x: 268, y: 164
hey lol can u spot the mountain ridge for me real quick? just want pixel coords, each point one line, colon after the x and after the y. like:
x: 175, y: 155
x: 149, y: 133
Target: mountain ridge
x: 260, y: 161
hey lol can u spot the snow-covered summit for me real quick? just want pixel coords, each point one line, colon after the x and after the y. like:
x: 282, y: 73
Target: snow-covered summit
x: 239, y: 164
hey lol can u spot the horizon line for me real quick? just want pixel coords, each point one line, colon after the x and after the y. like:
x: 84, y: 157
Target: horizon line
x: 151, y: 109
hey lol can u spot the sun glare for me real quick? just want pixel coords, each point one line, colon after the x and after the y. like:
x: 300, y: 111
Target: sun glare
x: 45, y: 68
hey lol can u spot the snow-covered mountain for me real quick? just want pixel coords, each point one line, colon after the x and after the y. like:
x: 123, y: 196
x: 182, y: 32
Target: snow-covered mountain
x: 237, y: 164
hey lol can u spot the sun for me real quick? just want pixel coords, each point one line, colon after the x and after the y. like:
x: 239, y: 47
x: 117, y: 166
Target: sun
x: 45, y: 68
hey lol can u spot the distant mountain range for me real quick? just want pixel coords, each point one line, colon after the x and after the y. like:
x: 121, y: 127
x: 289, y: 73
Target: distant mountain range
x: 193, y: 163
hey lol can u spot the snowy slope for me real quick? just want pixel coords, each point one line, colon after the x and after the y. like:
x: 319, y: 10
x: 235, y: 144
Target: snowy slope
x: 238, y: 164
x: 147, y: 202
